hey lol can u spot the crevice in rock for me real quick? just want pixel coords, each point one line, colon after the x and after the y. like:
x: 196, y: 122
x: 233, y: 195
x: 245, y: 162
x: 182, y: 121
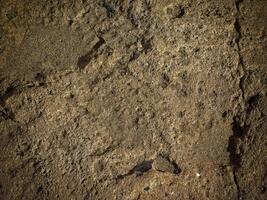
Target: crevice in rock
x: 238, y: 37
x: 7, y: 93
x: 239, y: 127
x: 233, y: 148
x: 161, y: 164
x: 235, y: 155
x: 85, y: 59
x: 139, y: 169
x: 6, y: 112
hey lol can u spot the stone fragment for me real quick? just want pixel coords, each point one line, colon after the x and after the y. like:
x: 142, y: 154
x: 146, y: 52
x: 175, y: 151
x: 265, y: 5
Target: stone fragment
x: 163, y: 165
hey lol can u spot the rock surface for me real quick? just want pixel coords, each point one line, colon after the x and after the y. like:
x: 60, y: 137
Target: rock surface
x: 91, y: 91
x: 164, y: 165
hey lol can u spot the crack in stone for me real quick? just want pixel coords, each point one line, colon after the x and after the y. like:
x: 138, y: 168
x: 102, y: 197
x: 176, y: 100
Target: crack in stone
x: 85, y: 59
x: 240, y: 131
x: 239, y: 128
x: 237, y: 41
x: 6, y: 112
x: 233, y: 148
x: 138, y: 169
x: 161, y: 164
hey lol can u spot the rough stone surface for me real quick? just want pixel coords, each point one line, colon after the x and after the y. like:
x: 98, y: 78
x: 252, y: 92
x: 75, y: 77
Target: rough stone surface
x: 92, y: 91
x: 164, y: 165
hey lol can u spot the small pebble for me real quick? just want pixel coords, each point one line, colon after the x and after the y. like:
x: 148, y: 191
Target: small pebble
x: 163, y: 165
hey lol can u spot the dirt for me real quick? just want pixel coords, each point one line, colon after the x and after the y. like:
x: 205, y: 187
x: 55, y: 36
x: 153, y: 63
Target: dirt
x: 133, y: 99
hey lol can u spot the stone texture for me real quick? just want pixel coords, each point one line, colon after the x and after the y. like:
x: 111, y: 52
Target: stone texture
x: 91, y: 92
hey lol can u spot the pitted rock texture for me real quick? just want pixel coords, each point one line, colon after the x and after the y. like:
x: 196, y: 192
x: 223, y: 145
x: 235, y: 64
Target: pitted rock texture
x: 133, y: 99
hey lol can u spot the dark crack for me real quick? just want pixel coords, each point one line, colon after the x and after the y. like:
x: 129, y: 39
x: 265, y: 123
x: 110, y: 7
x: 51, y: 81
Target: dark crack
x: 239, y: 127
x: 8, y: 93
x: 235, y: 150
x: 138, y: 169
x: 240, y: 130
x: 161, y: 164
x: 85, y: 59
x: 238, y: 37
x: 7, y: 112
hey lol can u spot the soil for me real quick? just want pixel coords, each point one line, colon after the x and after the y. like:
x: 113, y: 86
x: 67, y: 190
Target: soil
x: 133, y: 99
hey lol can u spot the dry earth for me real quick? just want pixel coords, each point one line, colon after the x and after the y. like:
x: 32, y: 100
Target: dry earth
x: 133, y: 99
